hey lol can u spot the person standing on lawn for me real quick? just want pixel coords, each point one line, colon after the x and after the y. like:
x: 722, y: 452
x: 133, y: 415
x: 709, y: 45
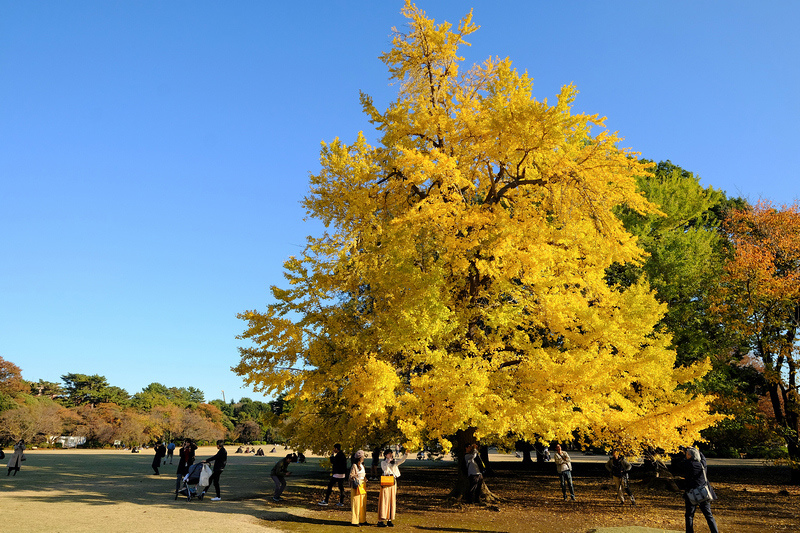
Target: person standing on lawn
x: 170, y: 452
x: 619, y: 467
x: 694, y: 471
x: 220, y: 459
x: 358, y: 490
x: 185, y: 460
x: 474, y: 464
x: 279, y: 473
x: 564, y: 469
x: 387, y: 502
x: 161, y: 451
x: 339, y: 462
x: 15, y: 463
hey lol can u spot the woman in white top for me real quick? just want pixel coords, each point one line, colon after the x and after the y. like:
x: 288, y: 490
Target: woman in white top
x: 358, y: 502
x: 387, y: 503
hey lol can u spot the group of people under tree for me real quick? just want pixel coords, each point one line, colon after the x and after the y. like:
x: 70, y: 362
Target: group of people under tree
x: 692, y: 468
x: 357, y: 481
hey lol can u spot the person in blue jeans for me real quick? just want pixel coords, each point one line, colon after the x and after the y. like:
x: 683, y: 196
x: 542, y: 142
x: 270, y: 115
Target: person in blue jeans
x: 564, y: 469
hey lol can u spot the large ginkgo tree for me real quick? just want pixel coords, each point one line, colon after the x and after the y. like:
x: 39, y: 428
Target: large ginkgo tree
x: 460, y: 286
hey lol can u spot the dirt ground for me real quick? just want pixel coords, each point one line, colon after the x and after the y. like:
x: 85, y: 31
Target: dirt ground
x: 105, y: 490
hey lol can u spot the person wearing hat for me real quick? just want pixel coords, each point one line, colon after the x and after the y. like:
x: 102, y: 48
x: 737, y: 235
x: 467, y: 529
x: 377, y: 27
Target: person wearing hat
x: 358, y: 490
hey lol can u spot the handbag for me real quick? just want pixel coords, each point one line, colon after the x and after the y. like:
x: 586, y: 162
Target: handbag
x: 361, y: 490
x: 700, y: 494
x: 387, y: 481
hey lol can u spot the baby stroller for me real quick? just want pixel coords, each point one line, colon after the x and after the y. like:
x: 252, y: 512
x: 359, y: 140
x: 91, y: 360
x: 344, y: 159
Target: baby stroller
x: 195, y: 479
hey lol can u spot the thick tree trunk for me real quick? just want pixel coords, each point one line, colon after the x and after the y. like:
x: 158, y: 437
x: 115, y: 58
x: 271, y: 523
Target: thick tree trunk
x: 459, y: 491
x: 526, y: 448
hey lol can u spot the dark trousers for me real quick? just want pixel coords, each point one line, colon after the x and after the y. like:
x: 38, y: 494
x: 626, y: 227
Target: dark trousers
x: 215, y: 480
x: 331, y: 483
x: 474, y: 492
x: 705, y: 508
x: 280, y: 485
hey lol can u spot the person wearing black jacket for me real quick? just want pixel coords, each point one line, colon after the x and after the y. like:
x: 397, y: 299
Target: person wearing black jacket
x: 220, y: 459
x: 161, y: 451
x: 185, y: 460
x: 694, y: 471
x: 338, y: 476
x: 619, y: 467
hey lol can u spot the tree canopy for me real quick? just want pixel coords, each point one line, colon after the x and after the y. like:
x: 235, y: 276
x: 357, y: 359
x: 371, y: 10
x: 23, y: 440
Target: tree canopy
x: 461, y: 282
x: 759, y: 299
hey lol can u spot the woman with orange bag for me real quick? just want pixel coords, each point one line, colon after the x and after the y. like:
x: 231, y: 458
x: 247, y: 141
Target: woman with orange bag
x: 358, y: 493
x: 387, y: 503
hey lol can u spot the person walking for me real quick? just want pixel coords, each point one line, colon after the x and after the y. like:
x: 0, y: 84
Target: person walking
x: 387, y: 502
x: 161, y: 451
x: 376, y: 462
x: 220, y: 459
x: 619, y: 467
x: 339, y: 462
x: 695, y: 473
x: 279, y: 473
x: 15, y: 463
x: 358, y: 490
x: 564, y: 469
x: 185, y: 460
x: 170, y: 452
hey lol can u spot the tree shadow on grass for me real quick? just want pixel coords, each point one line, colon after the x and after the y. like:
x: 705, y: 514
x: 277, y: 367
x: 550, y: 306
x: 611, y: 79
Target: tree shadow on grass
x: 285, y: 516
x: 455, y: 529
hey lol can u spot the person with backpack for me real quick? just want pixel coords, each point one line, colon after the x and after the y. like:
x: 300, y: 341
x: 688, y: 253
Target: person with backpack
x: 619, y: 467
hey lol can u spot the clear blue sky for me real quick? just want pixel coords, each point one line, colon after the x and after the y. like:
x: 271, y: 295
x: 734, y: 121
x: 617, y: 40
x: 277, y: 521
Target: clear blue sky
x: 153, y: 154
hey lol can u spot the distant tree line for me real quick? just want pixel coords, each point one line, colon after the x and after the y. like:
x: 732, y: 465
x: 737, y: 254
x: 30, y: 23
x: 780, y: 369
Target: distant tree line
x: 88, y: 406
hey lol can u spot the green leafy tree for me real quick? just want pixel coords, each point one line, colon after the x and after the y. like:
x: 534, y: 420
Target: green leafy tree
x: 686, y: 255
x: 83, y: 389
x: 47, y: 389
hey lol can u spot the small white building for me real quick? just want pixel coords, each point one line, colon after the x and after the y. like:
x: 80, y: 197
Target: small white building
x: 69, y: 441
